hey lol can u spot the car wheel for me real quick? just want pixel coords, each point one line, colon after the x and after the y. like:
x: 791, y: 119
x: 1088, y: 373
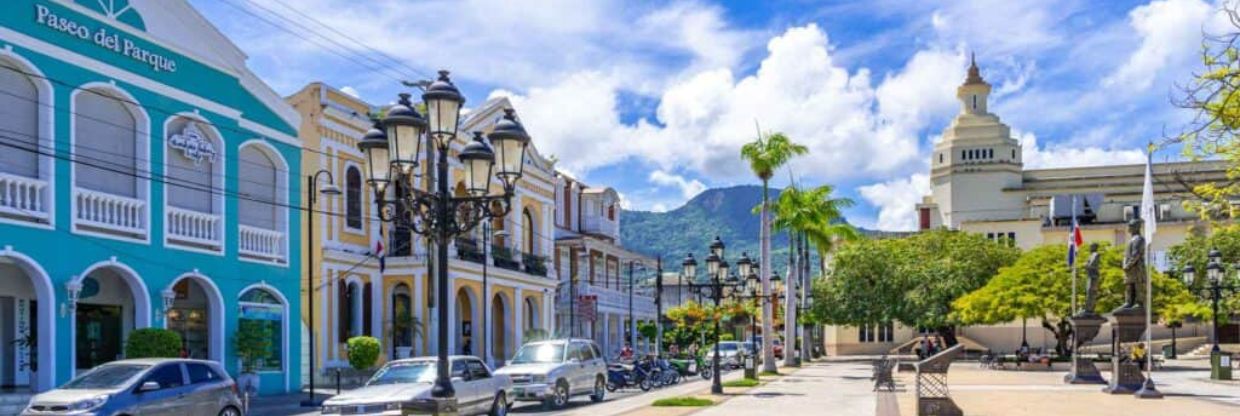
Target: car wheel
x: 599, y: 390
x: 558, y: 399
x: 500, y: 407
x: 230, y: 411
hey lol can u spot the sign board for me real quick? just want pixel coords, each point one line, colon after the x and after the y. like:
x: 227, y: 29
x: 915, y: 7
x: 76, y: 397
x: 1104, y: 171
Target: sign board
x: 193, y: 144
x: 587, y: 307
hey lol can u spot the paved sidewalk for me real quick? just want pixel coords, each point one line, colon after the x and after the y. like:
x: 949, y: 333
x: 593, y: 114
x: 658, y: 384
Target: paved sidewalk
x: 839, y: 388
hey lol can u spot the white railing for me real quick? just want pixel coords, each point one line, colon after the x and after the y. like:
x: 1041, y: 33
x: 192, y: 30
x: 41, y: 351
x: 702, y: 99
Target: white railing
x: 22, y: 196
x: 110, y: 212
x: 193, y: 227
x: 261, y: 243
x: 617, y: 299
x: 598, y: 224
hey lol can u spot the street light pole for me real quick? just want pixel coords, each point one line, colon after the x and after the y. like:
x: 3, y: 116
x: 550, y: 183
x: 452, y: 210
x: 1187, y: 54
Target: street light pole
x: 330, y: 189
x: 632, y: 332
x: 1217, y: 279
x: 658, y: 307
x: 392, y: 154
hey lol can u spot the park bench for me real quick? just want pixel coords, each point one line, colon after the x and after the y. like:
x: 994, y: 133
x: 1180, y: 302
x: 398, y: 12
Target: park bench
x: 933, y: 396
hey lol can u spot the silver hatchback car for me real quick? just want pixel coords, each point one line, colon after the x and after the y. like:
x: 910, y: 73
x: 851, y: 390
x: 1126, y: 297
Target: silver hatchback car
x: 150, y: 386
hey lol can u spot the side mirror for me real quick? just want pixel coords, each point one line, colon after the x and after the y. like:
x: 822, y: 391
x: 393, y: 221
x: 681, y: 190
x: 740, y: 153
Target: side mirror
x: 148, y: 386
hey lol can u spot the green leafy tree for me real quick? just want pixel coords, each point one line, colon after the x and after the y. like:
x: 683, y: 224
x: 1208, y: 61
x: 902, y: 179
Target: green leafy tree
x: 153, y: 343
x: 1194, y: 251
x: 911, y: 280
x: 363, y: 352
x: 766, y: 155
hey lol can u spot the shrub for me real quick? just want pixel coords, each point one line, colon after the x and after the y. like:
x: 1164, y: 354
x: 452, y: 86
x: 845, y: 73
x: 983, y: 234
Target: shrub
x: 153, y: 343
x: 682, y: 402
x: 363, y: 352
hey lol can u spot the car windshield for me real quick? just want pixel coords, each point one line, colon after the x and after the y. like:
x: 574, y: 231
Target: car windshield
x: 106, y: 377
x: 540, y: 353
x: 406, y: 372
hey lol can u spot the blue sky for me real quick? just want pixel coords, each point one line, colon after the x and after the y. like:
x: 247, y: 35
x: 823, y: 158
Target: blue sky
x: 655, y: 98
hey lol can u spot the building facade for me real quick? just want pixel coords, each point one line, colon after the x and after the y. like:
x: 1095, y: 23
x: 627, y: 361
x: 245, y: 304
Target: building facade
x: 602, y: 295
x: 979, y: 184
x: 147, y: 180
x: 353, y: 296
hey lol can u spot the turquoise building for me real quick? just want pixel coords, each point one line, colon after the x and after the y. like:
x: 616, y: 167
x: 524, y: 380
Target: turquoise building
x: 147, y: 179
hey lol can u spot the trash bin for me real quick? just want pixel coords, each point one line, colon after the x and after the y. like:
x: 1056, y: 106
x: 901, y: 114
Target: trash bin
x: 1168, y: 352
x: 1220, y: 366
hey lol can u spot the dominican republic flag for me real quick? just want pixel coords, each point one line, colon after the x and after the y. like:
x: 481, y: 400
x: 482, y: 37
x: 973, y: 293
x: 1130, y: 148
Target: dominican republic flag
x: 1074, y: 237
x: 379, y: 252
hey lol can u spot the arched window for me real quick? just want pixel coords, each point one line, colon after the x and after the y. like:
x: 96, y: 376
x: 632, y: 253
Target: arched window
x: 263, y: 311
x: 611, y: 212
x: 568, y: 205
x: 531, y: 314
x: 106, y: 144
x: 19, y: 119
x: 530, y: 229
x: 353, y: 197
x: 257, y: 184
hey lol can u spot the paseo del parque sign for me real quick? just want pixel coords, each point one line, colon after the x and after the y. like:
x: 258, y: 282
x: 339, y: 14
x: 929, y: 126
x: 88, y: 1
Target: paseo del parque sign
x: 110, y: 40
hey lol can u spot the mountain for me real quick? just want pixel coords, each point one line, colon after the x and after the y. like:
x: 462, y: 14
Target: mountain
x: 724, y: 212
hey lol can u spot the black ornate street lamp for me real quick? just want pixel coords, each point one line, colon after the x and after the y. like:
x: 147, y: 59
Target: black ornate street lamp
x: 752, y: 291
x: 1217, y: 282
x: 330, y: 189
x: 720, y: 281
x: 392, y: 151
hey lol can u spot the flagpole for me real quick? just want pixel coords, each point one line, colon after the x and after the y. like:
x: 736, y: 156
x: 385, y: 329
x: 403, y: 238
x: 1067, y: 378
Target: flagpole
x: 1149, y: 227
x: 1072, y: 243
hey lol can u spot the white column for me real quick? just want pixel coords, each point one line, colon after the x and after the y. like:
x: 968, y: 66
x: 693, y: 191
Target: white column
x: 448, y: 306
x: 419, y: 302
x: 606, y: 333
x: 334, y: 287
x: 518, y: 320
x: 548, y: 315
x: 377, y: 306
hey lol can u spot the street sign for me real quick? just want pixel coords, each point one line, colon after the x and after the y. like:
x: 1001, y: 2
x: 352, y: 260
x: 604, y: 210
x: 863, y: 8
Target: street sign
x: 587, y: 307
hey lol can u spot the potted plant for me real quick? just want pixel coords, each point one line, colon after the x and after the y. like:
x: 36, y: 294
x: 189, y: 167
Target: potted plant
x: 253, y: 344
x: 404, y: 323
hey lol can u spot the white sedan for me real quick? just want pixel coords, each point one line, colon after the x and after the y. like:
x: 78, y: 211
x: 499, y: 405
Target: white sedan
x: 478, y: 390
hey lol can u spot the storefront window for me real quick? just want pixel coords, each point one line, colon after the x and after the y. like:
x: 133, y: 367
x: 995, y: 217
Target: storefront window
x: 260, y: 307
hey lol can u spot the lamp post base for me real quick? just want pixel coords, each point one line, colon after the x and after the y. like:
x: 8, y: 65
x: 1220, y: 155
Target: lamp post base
x: 437, y: 406
x: 1148, y: 391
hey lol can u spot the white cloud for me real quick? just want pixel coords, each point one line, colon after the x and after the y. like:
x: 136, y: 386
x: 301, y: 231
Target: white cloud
x: 1171, y: 33
x: 897, y: 200
x: 689, y: 188
x: 852, y: 128
x: 658, y: 207
x: 1053, y: 156
x: 350, y: 90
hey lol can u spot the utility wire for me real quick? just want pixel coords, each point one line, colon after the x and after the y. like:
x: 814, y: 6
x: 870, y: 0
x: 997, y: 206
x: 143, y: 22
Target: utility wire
x: 339, y: 33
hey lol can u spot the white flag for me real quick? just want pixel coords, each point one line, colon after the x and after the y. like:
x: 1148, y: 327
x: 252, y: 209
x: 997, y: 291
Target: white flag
x: 1148, y: 209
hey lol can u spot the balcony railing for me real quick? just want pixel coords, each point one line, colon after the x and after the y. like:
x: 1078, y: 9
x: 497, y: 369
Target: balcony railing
x: 193, y: 227
x: 534, y: 264
x: 23, y: 197
x: 504, y: 257
x: 597, y: 224
x: 261, y: 243
x: 110, y: 213
x: 467, y: 249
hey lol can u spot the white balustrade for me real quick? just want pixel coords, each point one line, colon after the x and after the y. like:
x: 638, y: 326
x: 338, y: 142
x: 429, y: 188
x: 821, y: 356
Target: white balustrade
x: 193, y: 227
x: 24, y: 197
x: 598, y: 224
x: 261, y: 243
x: 110, y: 212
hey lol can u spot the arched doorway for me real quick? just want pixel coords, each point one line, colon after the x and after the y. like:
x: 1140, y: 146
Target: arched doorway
x: 532, y: 318
x: 402, y: 322
x: 28, y: 321
x: 265, y: 308
x: 112, y: 301
x: 197, y: 313
x: 465, y: 301
x: 499, y: 329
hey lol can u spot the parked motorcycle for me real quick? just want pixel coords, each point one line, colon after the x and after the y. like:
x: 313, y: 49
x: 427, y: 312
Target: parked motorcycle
x: 623, y: 376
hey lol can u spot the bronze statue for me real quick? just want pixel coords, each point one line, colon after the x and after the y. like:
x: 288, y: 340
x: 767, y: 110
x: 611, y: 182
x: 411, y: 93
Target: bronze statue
x: 1134, y: 266
x: 1091, y: 289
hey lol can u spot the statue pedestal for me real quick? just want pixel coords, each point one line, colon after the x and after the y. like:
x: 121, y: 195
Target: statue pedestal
x: 1083, y: 370
x: 1127, y: 325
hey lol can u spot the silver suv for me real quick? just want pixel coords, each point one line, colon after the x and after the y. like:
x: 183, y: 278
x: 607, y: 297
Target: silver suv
x: 554, y: 371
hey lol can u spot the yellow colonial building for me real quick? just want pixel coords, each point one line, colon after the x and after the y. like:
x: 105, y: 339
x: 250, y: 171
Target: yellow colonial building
x: 353, y: 297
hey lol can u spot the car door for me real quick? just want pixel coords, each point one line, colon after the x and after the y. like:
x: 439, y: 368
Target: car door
x: 599, y: 362
x: 168, y: 399
x: 579, y: 370
x: 207, y: 389
x: 482, y: 383
x: 465, y: 391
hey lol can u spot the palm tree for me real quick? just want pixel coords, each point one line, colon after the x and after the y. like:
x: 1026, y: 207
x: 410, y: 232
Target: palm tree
x: 765, y: 155
x: 810, y: 217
